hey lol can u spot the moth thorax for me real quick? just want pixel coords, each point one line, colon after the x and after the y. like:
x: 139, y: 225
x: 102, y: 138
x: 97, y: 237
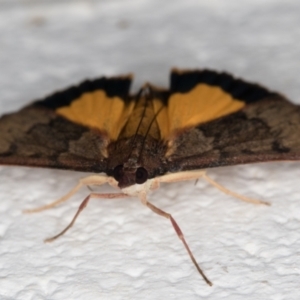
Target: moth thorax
x: 142, y: 120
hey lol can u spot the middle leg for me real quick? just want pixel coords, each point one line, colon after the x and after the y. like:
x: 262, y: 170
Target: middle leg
x: 82, y: 206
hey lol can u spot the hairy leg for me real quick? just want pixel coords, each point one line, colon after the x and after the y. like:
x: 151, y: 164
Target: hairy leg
x: 178, y: 232
x: 82, y: 206
x: 195, y: 175
x: 90, y: 180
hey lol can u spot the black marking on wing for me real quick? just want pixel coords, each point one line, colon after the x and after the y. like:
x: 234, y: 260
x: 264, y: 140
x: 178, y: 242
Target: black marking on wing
x: 112, y: 86
x: 183, y: 82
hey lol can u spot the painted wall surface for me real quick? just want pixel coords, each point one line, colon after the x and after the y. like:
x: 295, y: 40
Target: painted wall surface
x: 118, y: 249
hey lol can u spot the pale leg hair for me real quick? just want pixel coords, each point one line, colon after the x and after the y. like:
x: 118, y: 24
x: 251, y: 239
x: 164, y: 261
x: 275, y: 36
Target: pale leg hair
x: 195, y: 175
x: 171, y: 177
x: 90, y: 180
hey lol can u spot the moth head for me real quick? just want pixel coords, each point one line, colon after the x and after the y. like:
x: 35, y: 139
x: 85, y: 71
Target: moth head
x: 127, y: 176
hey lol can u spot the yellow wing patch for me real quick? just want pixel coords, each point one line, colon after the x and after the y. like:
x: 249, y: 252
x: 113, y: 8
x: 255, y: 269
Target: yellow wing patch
x: 202, y: 104
x: 97, y: 110
x: 110, y: 114
x: 162, y: 117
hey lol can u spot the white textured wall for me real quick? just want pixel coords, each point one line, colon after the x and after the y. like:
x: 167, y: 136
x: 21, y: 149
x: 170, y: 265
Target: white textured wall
x: 119, y: 249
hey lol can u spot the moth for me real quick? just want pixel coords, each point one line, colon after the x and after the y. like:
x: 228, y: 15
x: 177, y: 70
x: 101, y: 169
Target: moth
x: 206, y: 119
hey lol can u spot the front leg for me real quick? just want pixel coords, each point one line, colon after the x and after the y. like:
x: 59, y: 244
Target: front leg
x: 195, y: 175
x: 182, y: 176
x: 90, y: 180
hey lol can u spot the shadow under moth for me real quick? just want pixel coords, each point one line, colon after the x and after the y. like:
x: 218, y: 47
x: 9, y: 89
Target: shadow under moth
x: 204, y: 120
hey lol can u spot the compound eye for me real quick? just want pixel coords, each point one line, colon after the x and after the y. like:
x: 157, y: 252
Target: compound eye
x: 141, y: 175
x: 117, y: 173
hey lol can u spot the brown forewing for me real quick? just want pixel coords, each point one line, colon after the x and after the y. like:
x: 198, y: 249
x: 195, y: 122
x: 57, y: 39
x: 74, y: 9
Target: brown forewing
x: 267, y: 130
x: 38, y: 137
